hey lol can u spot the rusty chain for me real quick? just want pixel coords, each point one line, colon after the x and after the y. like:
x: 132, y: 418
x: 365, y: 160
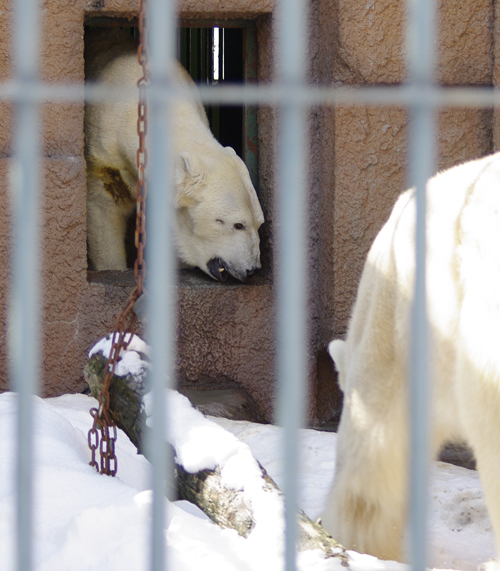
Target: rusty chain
x: 142, y: 154
x: 123, y: 333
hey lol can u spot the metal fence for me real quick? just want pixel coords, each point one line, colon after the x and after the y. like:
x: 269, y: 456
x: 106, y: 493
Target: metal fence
x: 292, y: 97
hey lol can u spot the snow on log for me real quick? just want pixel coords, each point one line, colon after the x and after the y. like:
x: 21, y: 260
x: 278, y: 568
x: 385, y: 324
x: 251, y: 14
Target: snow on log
x: 213, y: 469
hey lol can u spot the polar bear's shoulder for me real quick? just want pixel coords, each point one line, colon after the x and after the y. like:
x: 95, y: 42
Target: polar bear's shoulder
x: 183, y: 79
x: 104, y: 47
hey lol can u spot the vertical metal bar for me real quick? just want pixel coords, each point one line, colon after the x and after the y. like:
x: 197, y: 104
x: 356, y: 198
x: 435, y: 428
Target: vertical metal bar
x: 292, y: 328
x: 194, y: 55
x: 205, y: 55
x: 24, y: 317
x: 161, y: 260
x: 214, y: 57
x: 250, y: 134
x: 222, y: 52
x: 421, y: 66
x: 183, y: 49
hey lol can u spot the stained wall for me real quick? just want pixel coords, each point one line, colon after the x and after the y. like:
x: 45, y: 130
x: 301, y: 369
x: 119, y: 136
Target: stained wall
x: 357, y: 158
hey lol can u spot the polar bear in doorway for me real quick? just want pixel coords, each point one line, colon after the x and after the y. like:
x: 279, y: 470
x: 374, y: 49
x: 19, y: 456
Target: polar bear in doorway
x: 217, y: 212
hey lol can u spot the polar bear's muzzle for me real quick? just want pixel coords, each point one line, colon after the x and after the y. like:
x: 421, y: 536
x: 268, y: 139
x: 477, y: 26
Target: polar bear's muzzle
x: 220, y: 270
x: 217, y: 269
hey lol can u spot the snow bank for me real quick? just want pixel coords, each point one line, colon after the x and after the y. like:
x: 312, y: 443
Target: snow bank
x: 84, y: 521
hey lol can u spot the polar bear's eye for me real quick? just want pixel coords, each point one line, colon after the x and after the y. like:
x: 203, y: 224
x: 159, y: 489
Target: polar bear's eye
x: 219, y: 221
x: 239, y: 226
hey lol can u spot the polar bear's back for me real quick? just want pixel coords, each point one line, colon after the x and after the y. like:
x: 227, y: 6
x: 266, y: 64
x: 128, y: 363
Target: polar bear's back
x: 111, y: 59
x: 463, y: 233
x: 461, y: 201
x: 103, y: 46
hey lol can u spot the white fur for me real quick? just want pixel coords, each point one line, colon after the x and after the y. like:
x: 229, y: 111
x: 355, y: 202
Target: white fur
x: 367, y: 505
x: 213, y: 190
x: 336, y: 348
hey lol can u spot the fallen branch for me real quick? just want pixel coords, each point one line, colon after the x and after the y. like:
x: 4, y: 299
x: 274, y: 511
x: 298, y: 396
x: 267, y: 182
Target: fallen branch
x: 225, y: 506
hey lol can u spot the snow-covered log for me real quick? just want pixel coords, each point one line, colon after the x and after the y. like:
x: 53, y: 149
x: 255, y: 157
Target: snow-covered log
x: 210, y: 484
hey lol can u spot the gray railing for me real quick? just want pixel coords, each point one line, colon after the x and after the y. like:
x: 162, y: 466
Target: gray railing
x: 25, y: 307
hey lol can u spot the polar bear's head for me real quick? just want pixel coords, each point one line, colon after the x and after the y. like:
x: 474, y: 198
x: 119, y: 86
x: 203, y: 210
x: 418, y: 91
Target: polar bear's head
x: 218, y: 215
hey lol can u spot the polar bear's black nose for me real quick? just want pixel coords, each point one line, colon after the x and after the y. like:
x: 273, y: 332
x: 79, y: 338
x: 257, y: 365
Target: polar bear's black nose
x: 251, y: 272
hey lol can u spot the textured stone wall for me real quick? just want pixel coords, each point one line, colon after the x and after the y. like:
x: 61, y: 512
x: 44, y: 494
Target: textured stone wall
x: 357, y: 158
x: 62, y: 187
x: 370, y: 152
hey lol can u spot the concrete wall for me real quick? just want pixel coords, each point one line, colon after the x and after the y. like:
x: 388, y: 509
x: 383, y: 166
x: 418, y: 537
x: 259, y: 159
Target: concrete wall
x: 357, y: 169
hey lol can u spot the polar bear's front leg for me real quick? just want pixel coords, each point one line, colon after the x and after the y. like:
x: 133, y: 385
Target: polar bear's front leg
x: 478, y: 391
x: 366, y: 506
x: 106, y: 227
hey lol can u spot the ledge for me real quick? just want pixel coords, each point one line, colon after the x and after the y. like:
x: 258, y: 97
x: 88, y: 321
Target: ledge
x: 187, y: 278
x: 186, y: 8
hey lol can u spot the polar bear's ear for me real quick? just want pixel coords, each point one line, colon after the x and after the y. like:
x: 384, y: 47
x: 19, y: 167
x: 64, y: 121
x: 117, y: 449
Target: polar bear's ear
x: 230, y: 151
x: 189, y: 174
x: 245, y: 177
x: 336, y: 348
x: 188, y: 164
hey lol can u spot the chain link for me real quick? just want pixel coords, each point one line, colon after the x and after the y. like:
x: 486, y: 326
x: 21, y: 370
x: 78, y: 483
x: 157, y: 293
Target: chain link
x: 122, y: 333
x: 141, y: 189
x: 109, y: 462
x: 93, y: 439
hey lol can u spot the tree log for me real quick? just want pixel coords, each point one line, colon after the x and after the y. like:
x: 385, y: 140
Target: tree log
x: 224, y: 506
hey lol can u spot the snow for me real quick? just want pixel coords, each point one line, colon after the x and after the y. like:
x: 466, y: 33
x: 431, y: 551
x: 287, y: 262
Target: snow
x: 84, y: 521
x: 132, y: 360
x: 202, y: 444
x: 460, y: 532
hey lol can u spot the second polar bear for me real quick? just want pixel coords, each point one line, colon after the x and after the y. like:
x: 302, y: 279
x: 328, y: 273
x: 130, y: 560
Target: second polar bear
x: 367, y: 506
x: 217, y: 212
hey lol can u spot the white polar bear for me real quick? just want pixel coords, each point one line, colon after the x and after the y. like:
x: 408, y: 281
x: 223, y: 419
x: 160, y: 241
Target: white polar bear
x: 367, y: 505
x: 217, y: 211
